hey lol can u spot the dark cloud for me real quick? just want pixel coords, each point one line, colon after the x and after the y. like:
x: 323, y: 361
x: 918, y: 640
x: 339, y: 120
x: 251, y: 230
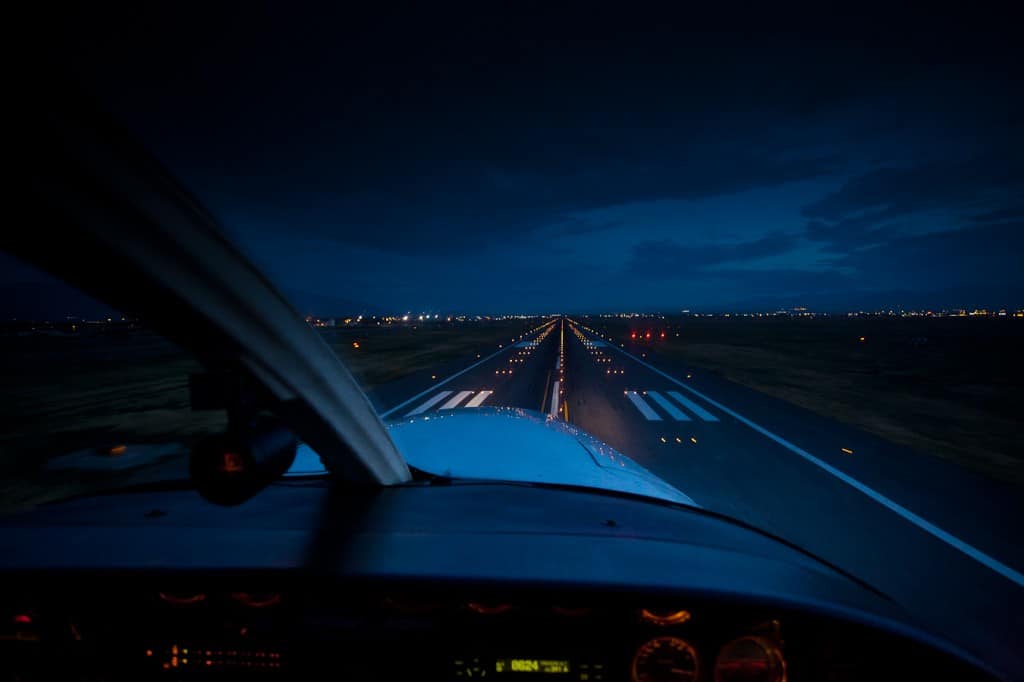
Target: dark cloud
x: 854, y: 232
x: 899, y: 191
x: 668, y: 258
x: 984, y: 260
x: 389, y: 157
x: 873, y: 205
x: 1001, y: 215
x: 791, y: 281
x: 466, y: 205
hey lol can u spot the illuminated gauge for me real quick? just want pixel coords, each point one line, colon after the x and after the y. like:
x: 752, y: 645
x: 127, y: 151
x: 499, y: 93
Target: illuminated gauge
x: 664, y: 616
x: 183, y: 598
x: 488, y: 609
x: 665, y: 659
x: 750, y: 659
x: 256, y: 600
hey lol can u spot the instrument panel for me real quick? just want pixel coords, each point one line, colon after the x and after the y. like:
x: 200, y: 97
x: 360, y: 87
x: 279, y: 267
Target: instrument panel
x: 497, y: 640
x: 373, y: 632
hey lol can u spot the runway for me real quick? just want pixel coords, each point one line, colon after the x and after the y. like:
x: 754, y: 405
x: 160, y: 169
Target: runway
x: 936, y: 538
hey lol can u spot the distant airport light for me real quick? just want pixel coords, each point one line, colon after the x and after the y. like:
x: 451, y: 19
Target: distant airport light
x: 847, y: 450
x: 862, y: 339
x: 355, y: 344
x: 693, y: 440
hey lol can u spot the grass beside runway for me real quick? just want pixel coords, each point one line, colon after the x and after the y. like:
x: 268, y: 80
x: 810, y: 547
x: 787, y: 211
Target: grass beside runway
x: 111, y: 385
x: 949, y: 387
x: 386, y: 354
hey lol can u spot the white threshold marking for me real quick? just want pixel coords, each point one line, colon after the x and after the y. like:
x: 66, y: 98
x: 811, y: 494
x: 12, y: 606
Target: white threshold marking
x: 672, y: 410
x: 693, y: 407
x: 553, y: 412
x: 644, y: 408
x: 430, y: 403
x: 419, y: 395
x: 925, y: 525
x: 459, y: 397
x: 479, y: 399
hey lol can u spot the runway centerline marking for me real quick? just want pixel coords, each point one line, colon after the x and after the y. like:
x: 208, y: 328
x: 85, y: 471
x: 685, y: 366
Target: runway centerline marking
x: 925, y: 525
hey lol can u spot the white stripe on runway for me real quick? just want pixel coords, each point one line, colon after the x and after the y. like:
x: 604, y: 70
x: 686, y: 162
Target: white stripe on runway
x: 644, y: 408
x: 479, y: 399
x: 693, y: 407
x: 925, y: 525
x: 407, y: 401
x: 459, y: 397
x: 672, y: 410
x: 430, y: 403
x: 553, y: 412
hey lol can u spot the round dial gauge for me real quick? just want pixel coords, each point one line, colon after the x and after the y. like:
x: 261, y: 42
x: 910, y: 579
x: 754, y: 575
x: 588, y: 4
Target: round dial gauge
x: 665, y: 659
x: 750, y: 659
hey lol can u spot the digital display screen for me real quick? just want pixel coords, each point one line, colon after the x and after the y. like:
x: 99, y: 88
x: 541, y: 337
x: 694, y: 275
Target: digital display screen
x: 504, y: 668
x: 530, y: 665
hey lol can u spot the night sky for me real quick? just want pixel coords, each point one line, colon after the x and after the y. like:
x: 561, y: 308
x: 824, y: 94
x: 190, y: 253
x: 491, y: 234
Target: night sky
x: 586, y: 160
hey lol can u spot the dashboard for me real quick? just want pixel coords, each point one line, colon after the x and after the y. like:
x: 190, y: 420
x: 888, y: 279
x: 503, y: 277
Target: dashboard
x: 111, y: 630
x: 449, y: 582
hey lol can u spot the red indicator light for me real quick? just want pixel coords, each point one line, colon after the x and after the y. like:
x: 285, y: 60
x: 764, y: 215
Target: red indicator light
x: 256, y: 601
x: 633, y: 335
x: 647, y: 335
x: 232, y: 463
x: 23, y: 619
